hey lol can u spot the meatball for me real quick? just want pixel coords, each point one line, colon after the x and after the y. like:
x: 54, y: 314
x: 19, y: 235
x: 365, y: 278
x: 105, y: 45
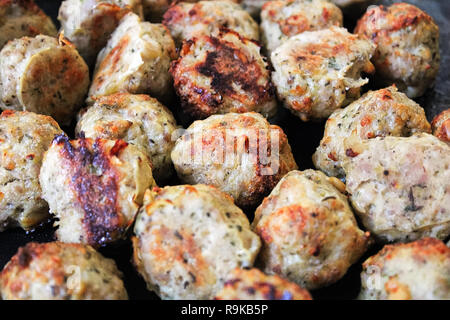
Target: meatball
x: 43, y: 75
x: 400, y: 187
x: 220, y: 74
x: 136, y: 60
x: 189, y: 20
x: 254, y: 285
x: 441, y: 126
x: 136, y: 119
x: 408, y: 271
x: 20, y: 18
x: 24, y: 137
x: 88, y: 24
x: 309, y: 233
x: 407, y: 51
x: 385, y: 112
x: 317, y: 72
x: 281, y: 19
x: 188, y: 240
x: 94, y: 187
x: 61, y: 271
x: 241, y: 154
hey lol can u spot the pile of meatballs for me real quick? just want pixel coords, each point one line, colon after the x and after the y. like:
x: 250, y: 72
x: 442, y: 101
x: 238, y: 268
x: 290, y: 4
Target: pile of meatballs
x: 87, y: 138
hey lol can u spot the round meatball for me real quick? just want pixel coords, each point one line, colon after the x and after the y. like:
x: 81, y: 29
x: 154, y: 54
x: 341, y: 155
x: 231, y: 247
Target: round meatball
x: 88, y: 24
x: 190, y: 20
x: 136, y: 119
x: 241, y: 154
x: 61, y: 271
x: 407, y: 51
x: 309, y: 233
x: 221, y: 74
x: 281, y: 19
x: 254, y: 285
x: 20, y: 18
x: 94, y: 187
x: 188, y: 240
x: 135, y: 60
x: 400, y: 187
x: 24, y: 137
x: 441, y: 126
x: 418, y: 270
x: 317, y: 72
x: 385, y: 112
x: 43, y: 75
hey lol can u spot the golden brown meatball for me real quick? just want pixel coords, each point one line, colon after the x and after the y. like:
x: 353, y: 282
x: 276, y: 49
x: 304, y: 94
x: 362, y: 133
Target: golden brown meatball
x: 441, y: 126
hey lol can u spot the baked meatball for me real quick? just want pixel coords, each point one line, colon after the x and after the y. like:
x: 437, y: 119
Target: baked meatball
x: 441, y: 126
x: 281, y: 19
x: 407, y: 51
x: 43, y: 75
x: 24, y: 137
x: 190, y: 20
x: 418, y: 270
x: 135, y: 60
x: 309, y: 233
x: 20, y: 18
x: 380, y: 113
x: 136, y: 119
x: 61, y: 271
x: 94, y: 187
x: 88, y: 24
x: 254, y: 285
x: 317, y: 72
x: 400, y: 187
x: 188, y: 240
x: 241, y: 154
x: 220, y: 74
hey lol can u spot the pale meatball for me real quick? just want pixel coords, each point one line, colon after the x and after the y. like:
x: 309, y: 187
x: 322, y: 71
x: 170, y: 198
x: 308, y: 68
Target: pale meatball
x: 221, y: 74
x: 418, y: 270
x: 89, y: 23
x: 135, y: 60
x: 24, y: 137
x: 241, y: 154
x: 380, y: 113
x: 43, y: 75
x: 190, y: 20
x: 400, y: 187
x: 407, y: 51
x: 61, y: 271
x: 317, y: 72
x: 136, y: 119
x: 94, y: 187
x: 441, y: 126
x: 281, y: 19
x: 188, y: 240
x: 254, y: 285
x: 309, y: 233
x: 20, y: 18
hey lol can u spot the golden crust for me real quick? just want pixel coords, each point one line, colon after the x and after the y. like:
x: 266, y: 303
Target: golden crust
x: 441, y: 126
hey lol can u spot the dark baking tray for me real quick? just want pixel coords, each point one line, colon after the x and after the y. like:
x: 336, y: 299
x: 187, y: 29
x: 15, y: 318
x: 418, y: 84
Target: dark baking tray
x: 303, y: 137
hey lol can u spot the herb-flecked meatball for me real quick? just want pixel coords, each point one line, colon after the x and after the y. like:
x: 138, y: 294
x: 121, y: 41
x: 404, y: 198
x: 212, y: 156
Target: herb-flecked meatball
x: 380, y: 113
x: 309, y: 233
x: 241, y: 154
x: 94, y: 187
x: 400, y: 187
x: 317, y: 72
x: 407, y: 42
x: 188, y: 240
x: 254, y: 285
x: 61, y: 271
x: 24, y: 137
x: 441, y: 126
x: 43, y: 75
x: 417, y: 270
x: 221, y: 74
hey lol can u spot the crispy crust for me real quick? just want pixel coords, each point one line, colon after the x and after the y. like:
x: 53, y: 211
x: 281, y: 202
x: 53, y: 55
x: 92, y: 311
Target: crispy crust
x: 441, y: 126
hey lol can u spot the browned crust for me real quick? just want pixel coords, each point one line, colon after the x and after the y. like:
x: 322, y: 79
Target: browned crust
x: 441, y: 126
